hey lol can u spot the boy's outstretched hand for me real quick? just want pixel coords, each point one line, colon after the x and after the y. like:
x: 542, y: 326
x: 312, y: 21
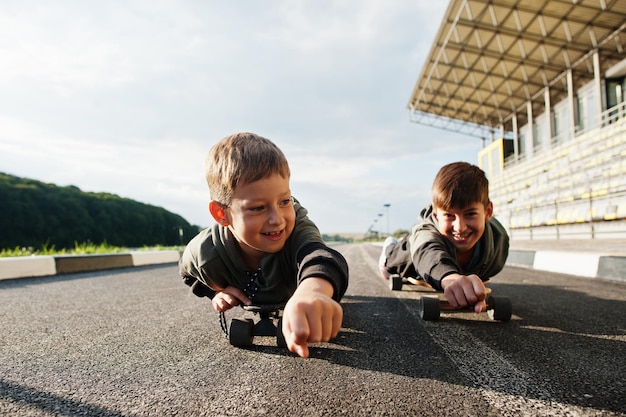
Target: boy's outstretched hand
x: 465, y: 290
x: 311, y: 316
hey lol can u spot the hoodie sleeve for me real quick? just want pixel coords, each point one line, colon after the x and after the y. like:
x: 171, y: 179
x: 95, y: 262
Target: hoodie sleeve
x: 191, y: 271
x: 431, y: 255
x: 314, y: 258
x: 318, y: 260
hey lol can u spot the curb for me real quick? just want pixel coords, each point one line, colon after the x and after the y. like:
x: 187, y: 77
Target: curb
x: 39, y: 266
x: 584, y: 264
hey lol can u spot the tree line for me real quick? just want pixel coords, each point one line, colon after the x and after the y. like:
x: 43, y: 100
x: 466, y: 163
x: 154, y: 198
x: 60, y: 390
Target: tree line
x: 37, y: 214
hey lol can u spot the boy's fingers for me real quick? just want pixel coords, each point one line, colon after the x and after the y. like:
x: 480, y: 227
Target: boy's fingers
x: 236, y: 296
x: 229, y: 299
x: 480, y: 306
x: 295, y: 326
x: 315, y: 323
x: 450, y: 297
x: 479, y: 287
x: 325, y: 324
x: 337, y: 321
x: 300, y: 350
x: 454, y: 298
x: 468, y: 295
x: 467, y: 290
x: 296, y: 339
x: 220, y: 304
x: 473, y: 291
x: 324, y: 331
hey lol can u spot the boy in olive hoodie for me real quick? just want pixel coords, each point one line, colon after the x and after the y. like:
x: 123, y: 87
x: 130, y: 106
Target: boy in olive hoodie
x: 263, y: 248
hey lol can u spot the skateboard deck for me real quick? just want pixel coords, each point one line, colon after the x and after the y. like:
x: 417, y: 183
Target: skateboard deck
x: 433, y: 302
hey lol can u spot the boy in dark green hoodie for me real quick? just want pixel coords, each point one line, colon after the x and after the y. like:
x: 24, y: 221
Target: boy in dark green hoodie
x: 457, y: 244
x: 263, y: 248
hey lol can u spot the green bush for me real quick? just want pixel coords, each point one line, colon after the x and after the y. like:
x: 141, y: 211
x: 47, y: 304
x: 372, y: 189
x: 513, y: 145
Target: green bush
x: 40, y: 215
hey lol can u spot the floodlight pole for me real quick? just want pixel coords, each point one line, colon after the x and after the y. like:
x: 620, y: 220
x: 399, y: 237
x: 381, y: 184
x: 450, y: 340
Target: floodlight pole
x: 386, y: 205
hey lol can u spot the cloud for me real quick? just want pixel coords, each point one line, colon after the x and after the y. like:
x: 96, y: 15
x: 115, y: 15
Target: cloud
x: 127, y: 97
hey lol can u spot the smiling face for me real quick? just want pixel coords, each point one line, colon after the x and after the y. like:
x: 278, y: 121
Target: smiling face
x: 463, y: 227
x: 260, y: 216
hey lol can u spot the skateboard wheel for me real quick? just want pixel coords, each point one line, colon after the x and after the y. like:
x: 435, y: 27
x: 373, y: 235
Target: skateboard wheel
x: 499, y: 309
x: 395, y: 282
x: 429, y: 308
x: 240, y: 333
x: 280, y: 337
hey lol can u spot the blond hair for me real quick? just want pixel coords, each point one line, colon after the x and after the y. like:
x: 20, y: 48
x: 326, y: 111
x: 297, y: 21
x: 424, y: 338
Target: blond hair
x: 241, y: 159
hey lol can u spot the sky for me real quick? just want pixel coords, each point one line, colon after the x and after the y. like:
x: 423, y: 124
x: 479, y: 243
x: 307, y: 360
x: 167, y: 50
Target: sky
x: 127, y: 97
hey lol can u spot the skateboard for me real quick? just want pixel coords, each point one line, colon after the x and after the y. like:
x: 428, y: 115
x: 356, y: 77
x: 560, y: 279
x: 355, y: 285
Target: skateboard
x: 242, y: 331
x: 431, y: 304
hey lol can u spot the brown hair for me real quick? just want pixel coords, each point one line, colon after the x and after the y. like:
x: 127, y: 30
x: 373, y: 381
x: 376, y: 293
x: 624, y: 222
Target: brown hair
x: 458, y: 185
x: 240, y: 159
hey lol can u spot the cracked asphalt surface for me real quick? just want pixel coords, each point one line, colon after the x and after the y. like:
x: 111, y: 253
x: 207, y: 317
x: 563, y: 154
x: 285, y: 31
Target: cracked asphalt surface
x: 136, y: 342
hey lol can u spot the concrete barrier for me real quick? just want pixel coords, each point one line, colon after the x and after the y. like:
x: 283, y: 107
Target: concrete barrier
x: 572, y: 263
x: 67, y: 264
x: 141, y: 258
x: 583, y: 264
x: 38, y: 266
x: 27, y: 266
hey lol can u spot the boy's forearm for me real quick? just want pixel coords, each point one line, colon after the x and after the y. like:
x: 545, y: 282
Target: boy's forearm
x: 316, y: 284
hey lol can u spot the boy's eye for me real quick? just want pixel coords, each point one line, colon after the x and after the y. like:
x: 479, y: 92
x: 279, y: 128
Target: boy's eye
x: 282, y: 203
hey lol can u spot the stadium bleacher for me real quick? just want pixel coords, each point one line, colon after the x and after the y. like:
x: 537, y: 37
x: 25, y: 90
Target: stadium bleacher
x: 578, y: 183
x: 552, y: 120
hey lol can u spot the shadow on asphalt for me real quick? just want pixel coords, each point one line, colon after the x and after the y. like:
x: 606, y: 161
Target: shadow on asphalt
x: 571, y: 342
x: 565, y: 309
x: 50, y: 403
x: 378, y: 334
x: 29, y: 282
x: 566, y: 340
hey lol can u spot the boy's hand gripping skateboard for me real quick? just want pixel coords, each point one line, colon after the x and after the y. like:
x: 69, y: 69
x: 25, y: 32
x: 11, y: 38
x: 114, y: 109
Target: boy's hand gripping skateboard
x: 241, y: 332
x: 431, y: 304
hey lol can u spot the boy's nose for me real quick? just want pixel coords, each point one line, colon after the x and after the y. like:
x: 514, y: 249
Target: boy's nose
x: 274, y: 216
x: 459, y: 225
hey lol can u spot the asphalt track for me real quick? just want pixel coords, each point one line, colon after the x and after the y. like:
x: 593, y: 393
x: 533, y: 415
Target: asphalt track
x: 136, y: 342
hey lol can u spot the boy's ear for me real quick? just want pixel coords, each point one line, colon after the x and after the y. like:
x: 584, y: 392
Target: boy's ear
x: 218, y: 213
x: 435, y: 212
x: 488, y: 211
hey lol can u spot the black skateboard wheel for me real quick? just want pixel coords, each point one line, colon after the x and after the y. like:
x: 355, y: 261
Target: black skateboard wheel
x: 429, y: 308
x: 395, y: 282
x: 499, y: 309
x: 240, y: 333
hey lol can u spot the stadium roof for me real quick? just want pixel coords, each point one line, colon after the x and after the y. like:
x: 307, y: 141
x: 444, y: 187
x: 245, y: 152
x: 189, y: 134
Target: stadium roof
x: 491, y: 57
